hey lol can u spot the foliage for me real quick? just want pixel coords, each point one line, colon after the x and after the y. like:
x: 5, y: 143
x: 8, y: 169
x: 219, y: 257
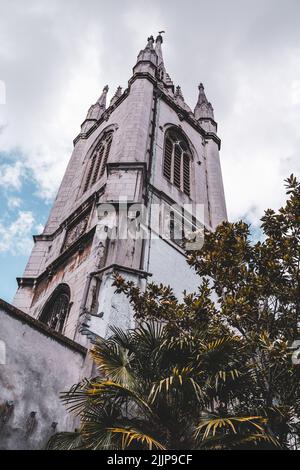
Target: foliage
x: 210, y: 371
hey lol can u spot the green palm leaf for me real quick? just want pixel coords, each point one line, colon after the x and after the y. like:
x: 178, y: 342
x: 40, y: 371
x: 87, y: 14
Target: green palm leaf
x: 130, y: 436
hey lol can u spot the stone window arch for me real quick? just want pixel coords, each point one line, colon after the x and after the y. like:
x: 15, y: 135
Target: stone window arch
x: 177, y: 160
x: 97, y: 161
x: 56, y: 309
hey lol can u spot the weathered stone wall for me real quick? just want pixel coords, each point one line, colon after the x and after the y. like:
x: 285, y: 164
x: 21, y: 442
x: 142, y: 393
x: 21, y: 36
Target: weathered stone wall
x: 130, y: 122
x: 39, y: 364
x: 169, y: 267
x: 73, y: 271
x: 216, y: 194
x: 113, y: 309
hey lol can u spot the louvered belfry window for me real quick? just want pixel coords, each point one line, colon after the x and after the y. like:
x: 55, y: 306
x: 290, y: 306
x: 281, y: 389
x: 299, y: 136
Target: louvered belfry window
x: 97, y: 161
x: 177, y: 161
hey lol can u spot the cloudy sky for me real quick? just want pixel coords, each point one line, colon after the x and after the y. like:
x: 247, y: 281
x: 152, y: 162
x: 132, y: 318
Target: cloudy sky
x: 56, y: 56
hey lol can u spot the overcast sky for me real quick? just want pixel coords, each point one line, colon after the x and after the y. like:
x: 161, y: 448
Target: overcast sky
x: 56, y: 56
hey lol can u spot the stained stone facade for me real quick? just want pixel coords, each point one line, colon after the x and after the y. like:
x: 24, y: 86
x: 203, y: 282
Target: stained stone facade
x: 121, y: 152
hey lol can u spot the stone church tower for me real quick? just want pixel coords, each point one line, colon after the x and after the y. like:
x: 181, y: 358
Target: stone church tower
x: 148, y: 149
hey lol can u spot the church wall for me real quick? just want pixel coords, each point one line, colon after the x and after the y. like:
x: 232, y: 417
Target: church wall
x: 131, y: 123
x: 215, y: 185
x: 169, y: 267
x: 73, y: 271
x: 131, y: 120
x: 39, y: 364
x: 114, y: 308
x: 23, y: 298
x: 65, y: 191
x: 38, y: 258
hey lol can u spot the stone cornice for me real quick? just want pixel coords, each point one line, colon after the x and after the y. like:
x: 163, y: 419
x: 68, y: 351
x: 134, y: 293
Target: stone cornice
x: 122, y: 268
x: 142, y: 75
x: 84, y: 207
x: 127, y: 166
x: 52, y: 267
x: 41, y: 327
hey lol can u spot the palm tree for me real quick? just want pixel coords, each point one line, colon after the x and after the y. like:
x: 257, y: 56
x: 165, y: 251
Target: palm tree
x: 160, y: 391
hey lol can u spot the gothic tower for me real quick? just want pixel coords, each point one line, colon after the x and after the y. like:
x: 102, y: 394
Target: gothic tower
x: 145, y: 147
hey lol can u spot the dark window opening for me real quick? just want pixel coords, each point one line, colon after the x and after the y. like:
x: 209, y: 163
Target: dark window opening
x: 57, y: 308
x: 97, y: 162
x: 177, y: 161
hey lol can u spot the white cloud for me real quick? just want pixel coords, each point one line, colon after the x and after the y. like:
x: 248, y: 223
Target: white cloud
x: 39, y: 228
x: 295, y: 92
x: 14, y: 202
x: 11, y: 176
x: 2, y: 92
x: 53, y: 75
x: 16, y: 237
x: 260, y: 137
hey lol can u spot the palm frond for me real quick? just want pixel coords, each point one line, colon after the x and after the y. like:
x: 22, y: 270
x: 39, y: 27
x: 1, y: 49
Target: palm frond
x: 262, y: 437
x: 108, y: 390
x: 114, y: 362
x: 130, y: 436
x: 180, y: 342
x: 148, y: 336
x: 240, y: 441
x: 121, y: 337
x: 179, y: 378
x: 213, y: 424
x: 66, y: 441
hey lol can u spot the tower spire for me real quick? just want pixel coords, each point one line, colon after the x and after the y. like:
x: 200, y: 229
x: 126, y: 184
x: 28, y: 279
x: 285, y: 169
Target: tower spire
x: 150, y: 42
x: 158, y: 49
x: 161, y: 69
x: 102, y: 100
x: 203, y: 108
x: 146, y: 60
x: 95, y: 112
x: 116, y: 96
x: 178, y: 93
x: 180, y: 99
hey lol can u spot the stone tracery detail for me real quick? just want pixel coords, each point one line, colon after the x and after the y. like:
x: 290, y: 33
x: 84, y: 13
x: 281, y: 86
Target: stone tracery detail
x: 75, y: 232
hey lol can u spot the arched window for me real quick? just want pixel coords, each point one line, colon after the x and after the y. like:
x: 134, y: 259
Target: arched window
x: 97, y: 161
x: 177, y: 160
x: 57, y: 308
